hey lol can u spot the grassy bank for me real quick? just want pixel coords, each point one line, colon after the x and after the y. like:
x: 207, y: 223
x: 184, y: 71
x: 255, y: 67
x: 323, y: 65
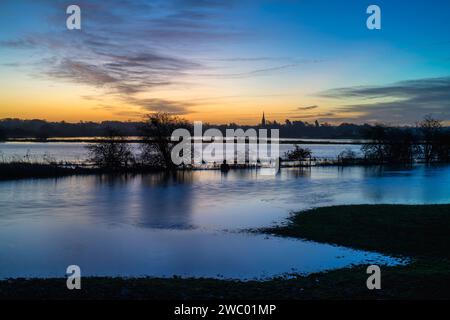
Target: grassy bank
x: 29, y: 170
x: 23, y: 170
x: 419, y: 232
x: 409, y: 230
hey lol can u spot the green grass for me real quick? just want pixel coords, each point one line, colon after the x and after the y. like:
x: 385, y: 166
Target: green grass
x: 412, y: 230
x: 419, y: 232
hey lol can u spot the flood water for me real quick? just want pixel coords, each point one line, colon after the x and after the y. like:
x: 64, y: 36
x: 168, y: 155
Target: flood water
x: 77, y: 152
x: 191, y: 223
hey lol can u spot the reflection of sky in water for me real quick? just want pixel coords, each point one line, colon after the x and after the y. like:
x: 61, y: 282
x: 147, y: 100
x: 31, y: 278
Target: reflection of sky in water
x: 76, y: 152
x: 115, y: 251
x: 174, y: 224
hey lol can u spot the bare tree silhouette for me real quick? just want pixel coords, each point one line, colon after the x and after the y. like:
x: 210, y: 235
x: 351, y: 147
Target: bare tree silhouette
x: 431, y: 130
x: 157, y: 146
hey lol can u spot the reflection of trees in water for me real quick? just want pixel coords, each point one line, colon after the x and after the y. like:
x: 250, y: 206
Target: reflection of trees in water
x: 148, y: 179
x: 166, y: 200
x: 239, y: 174
x: 396, y: 183
x: 113, y: 179
x: 154, y: 200
x: 168, y: 178
x: 299, y: 172
x: 378, y: 171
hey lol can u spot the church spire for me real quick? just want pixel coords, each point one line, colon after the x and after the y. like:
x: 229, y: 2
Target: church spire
x: 263, y: 121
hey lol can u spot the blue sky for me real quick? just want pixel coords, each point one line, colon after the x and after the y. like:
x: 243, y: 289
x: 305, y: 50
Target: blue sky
x: 222, y: 61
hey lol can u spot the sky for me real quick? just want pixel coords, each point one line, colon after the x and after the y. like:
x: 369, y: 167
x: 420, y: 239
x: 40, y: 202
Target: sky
x: 226, y: 61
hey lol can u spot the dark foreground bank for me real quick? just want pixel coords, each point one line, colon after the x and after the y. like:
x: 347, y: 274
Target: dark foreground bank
x: 421, y: 233
x: 26, y: 170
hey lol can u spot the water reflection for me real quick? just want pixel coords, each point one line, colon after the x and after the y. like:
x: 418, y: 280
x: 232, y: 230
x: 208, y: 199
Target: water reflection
x: 166, y: 200
x: 76, y: 151
x: 159, y: 224
x: 138, y: 252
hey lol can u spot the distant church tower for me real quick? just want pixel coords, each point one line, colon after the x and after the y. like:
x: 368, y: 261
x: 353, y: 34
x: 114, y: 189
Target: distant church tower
x: 263, y: 121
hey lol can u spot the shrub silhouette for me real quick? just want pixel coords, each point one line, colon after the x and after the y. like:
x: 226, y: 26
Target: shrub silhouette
x: 114, y: 153
x: 299, y: 154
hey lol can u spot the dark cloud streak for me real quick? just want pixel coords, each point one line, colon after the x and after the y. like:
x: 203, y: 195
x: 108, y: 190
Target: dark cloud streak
x: 403, y: 102
x: 307, y: 108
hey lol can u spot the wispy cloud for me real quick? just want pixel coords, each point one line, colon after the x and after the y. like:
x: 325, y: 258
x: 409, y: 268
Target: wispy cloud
x: 128, y: 46
x: 401, y: 102
x: 252, y: 73
x: 307, y: 108
x: 81, y: 72
x: 316, y: 116
x: 22, y: 43
x: 254, y: 59
x: 131, y: 47
x: 162, y: 105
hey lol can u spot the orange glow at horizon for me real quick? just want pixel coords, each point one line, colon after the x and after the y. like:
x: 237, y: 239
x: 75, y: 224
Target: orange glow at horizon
x: 26, y: 98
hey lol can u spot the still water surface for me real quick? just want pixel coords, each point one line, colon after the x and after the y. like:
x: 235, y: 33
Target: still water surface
x: 77, y: 152
x: 190, y: 223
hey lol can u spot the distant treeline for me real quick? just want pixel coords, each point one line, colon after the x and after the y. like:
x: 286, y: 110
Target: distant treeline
x: 41, y: 129
x: 427, y: 142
